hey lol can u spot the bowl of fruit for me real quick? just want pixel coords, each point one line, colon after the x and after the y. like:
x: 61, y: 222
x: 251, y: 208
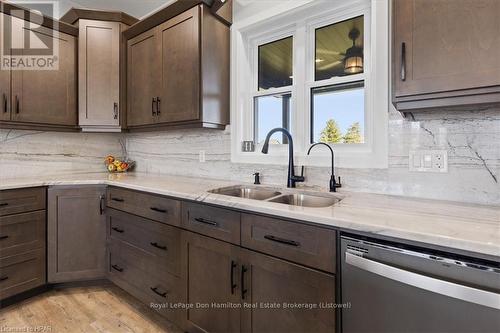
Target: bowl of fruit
x: 116, y: 165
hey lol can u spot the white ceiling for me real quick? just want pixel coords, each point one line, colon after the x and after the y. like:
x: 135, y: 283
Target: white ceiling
x: 137, y: 8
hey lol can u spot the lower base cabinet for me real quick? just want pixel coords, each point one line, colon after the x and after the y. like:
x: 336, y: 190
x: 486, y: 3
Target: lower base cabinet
x: 231, y: 289
x: 285, y: 297
x: 137, y: 272
x: 143, y: 258
x: 21, y: 272
x: 212, y: 279
x: 22, y: 241
x: 76, y: 237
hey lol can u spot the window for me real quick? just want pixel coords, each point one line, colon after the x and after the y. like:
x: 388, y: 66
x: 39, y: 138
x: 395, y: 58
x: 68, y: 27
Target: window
x: 310, y: 68
x: 275, y: 64
x: 338, y: 114
x: 272, y: 94
x: 339, y: 49
x: 270, y: 112
x: 338, y: 110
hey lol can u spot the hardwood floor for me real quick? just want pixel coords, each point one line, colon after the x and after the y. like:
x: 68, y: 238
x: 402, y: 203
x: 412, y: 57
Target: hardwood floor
x: 83, y: 309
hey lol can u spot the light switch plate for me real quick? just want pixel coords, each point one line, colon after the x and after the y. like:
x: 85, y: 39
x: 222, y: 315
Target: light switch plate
x: 429, y: 161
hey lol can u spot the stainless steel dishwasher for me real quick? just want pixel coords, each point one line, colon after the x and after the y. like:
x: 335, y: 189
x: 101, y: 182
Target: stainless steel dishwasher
x: 392, y: 288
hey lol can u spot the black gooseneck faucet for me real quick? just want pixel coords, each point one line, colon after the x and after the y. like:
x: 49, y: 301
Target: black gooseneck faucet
x: 333, y: 183
x: 292, y: 178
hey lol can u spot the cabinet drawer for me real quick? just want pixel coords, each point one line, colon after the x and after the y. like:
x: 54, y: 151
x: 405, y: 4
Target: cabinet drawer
x: 136, y: 272
x: 300, y: 243
x: 21, y: 272
x: 214, y: 222
x: 158, y: 240
x: 146, y: 205
x: 22, y: 200
x: 21, y: 233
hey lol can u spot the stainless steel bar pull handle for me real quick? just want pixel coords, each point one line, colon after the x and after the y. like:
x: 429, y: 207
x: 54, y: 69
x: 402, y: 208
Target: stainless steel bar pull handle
x: 158, y: 106
x: 403, y: 61
x: 442, y: 287
x: 115, y: 110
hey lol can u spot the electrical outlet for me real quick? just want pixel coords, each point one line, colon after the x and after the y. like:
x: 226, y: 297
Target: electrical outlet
x: 428, y: 161
x: 202, y: 156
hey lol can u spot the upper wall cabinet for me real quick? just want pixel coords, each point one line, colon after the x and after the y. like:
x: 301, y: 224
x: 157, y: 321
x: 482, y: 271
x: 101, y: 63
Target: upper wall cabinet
x: 5, y: 91
x: 445, y: 53
x: 38, y: 75
x: 178, y: 69
x: 101, y: 68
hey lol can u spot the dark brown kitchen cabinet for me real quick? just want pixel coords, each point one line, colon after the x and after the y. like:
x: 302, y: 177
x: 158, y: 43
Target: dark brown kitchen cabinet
x: 212, y: 277
x: 101, y: 68
x: 41, y: 98
x: 76, y: 233
x: 142, y: 79
x: 22, y: 241
x: 242, y: 290
x: 48, y: 96
x: 445, y: 53
x: 178, y: 71
x: 179, y: 43
x: 268, y: 282
x: 5, y: 78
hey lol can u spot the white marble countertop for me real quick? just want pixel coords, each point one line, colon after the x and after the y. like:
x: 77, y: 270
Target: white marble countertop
x: 472, y: 228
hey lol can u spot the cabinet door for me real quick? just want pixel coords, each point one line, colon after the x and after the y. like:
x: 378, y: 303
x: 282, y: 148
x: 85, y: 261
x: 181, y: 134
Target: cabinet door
x: 142, y: 78
x: 445, y: 45
x: 179, y: 43
x: 270, y: 281
x: 4, y: 79
x: 76, y: 234
x: 99, y: 73
x: 48, y: 96
x: 211, y: 270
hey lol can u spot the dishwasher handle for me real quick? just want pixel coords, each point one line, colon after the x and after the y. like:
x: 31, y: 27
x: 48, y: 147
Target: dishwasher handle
x: 454, y: 290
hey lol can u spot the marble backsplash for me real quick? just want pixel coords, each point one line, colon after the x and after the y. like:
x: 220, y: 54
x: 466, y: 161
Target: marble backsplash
x: 471, y: 137
x: 24, y: 153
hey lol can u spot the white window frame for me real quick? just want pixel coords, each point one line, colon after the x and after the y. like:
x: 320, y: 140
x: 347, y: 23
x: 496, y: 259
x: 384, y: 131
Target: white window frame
x: 300, y: 20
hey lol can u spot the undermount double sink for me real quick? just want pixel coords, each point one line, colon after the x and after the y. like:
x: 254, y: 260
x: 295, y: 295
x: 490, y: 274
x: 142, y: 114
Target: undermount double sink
x: 317, y: 200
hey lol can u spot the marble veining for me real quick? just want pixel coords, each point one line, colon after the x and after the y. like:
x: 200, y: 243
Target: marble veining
x: 38, y: 153
x: 468, y: 227
x: 471, y: 137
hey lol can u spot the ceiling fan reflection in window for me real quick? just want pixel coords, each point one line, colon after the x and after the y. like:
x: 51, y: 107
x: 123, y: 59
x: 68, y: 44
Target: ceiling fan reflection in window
x: 352, y: 58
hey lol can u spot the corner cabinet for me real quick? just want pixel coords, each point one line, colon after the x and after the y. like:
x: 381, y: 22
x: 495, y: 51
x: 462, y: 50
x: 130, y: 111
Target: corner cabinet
x: 445, y: 53
x: 178, y: 72
x: 41, y: 98
x: 76, y: 233
x: 101, y: 68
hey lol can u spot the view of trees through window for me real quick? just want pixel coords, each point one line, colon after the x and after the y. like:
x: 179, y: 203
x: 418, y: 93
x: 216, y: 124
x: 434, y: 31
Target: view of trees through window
x: 338, y: 114
x: 333, y: 134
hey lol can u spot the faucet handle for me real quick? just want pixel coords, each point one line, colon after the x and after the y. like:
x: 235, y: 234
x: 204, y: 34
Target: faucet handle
x: 334, y: 185
x: 257, y: 178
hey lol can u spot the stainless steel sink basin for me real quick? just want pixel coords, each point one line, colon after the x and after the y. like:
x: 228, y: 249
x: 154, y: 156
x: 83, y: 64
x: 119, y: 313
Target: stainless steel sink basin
x: 247, y: 192
x: 307, y: 200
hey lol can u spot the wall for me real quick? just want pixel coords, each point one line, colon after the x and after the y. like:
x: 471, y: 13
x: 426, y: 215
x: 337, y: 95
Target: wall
x: 472, y: 138
x: 31, y: 153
